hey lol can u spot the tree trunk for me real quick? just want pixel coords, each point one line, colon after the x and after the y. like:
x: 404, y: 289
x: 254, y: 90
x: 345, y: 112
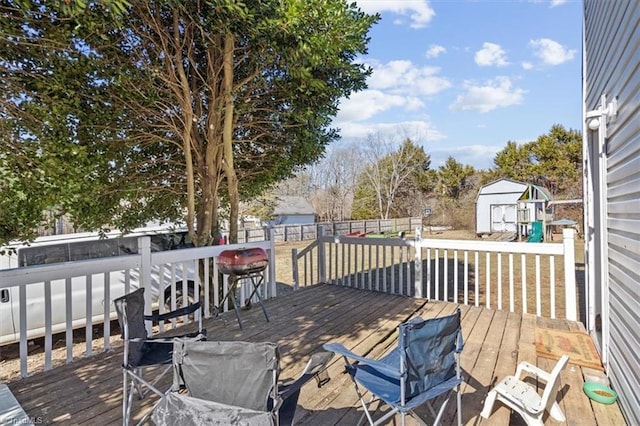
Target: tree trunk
x: 227, y: 139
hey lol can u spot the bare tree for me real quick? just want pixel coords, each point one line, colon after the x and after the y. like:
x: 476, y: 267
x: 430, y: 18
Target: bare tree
x: 336, y: 177
x: 390, y: 166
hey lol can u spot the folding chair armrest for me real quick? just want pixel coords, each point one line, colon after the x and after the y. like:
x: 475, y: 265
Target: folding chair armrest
x: 339, y: 349
x: 156, y: 316
x: 317, y: 362
x: 524, y: 366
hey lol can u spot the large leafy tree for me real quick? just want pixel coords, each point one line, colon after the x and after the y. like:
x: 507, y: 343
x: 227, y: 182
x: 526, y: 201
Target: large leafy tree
x: 50, y: 90
x: 454, y: 178
x: 176, y: 107
x: 553, y: 161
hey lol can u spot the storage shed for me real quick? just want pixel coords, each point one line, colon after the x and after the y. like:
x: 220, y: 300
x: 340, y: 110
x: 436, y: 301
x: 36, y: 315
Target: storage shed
x: 291, y: 210
x: 611, y: 149
x: 497, y: 206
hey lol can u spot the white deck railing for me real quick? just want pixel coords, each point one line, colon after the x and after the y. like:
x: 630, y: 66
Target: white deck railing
x: 537, y: 278
x: 47, y: 299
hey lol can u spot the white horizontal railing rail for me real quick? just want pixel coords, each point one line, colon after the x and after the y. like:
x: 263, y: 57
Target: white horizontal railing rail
x: 523, y: 277
x: 41, y: 301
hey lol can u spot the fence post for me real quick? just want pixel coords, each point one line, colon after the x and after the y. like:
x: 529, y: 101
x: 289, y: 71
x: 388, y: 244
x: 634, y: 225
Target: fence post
x: 417, y: 253
x: 144, y: 249
x: 322, y: 274
x: 568, y: 236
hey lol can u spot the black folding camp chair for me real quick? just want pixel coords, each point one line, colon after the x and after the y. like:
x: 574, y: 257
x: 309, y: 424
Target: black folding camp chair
x: 142, y: 351
x: 232, y: 383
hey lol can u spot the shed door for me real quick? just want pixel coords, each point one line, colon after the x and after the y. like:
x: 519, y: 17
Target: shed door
x: 503, y: 218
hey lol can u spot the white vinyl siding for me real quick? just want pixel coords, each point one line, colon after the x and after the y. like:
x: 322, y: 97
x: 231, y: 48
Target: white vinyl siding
x: 612, y: 68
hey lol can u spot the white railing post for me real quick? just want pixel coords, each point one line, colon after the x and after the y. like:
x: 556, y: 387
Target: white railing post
x: 568, y: 236
x: 417, y: 253
x: 294, y: 269
x: 322, y: 273
x: 144, y: 249
x: 272, y: 262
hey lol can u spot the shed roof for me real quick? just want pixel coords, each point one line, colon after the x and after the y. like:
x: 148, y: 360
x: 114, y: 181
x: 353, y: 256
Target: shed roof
x: 502, y: 186
x: 292, y: 205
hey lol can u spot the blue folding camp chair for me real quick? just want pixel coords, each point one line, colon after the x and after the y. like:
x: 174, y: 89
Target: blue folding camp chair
x: 424, y: 365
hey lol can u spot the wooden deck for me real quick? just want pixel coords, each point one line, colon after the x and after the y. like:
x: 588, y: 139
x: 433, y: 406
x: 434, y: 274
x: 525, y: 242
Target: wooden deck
x: 88, y: 391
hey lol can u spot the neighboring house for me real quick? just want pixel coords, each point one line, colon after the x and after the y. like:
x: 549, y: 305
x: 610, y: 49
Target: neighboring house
x: 293, y: 211
x: 611, y: 148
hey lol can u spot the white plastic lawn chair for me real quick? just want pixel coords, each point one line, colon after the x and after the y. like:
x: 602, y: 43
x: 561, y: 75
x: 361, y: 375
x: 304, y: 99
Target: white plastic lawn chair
x: 523, y: 398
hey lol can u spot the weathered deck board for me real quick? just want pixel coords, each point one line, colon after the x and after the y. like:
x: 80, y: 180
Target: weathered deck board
x: 89, y: 390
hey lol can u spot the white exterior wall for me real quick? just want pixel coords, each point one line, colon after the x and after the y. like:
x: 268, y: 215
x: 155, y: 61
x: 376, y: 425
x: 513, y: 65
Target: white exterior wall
x: 496, y: 206
x: 612, y: 192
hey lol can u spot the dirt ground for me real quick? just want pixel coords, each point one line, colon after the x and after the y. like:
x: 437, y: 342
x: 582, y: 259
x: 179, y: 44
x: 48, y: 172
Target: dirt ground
x: 10, y: 355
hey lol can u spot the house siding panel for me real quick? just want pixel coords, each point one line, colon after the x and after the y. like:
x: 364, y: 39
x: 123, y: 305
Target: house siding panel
x: 612, y: 67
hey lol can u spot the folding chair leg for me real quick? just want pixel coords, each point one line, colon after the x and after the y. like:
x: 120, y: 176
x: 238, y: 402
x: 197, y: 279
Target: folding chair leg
x: 125, y: 421
x: 127, y: 398
x: 459, y: 405
x: 443, y: 406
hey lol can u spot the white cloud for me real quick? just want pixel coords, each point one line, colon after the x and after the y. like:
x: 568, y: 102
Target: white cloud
x: 552, y: 3
x: 419, y: 11
x: 491, y: 54
x: 551, y: 52
x: 496, y: 93
x: 527, y: 65
x: 367, y: 103
x: 403, y: 77
x: 555, y: 3
x: 424, y: 130
x: 435, y: 50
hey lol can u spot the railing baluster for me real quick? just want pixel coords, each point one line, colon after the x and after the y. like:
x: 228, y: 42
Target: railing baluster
x: 499, y: 271
x: 68, y: 319
x: 477, y: 278
x: 379, y: 270
x: 455, y: 276
x: 445, y: 260
x: 400, y: 271
x: 47, y: 325
x: 89, y: 314
x: 437, y: 274
x: 369, y: 274
x: 22, y: 297
x: 487, y: 292
x: 538, y: 288
x: 429, y: 281
x: 107, y: 311
x: 393, y: 270
x: 524, y: 283
x: 552, y: 284
x: 383, y: 270
x: 511, y: 283
x: 466, y: 277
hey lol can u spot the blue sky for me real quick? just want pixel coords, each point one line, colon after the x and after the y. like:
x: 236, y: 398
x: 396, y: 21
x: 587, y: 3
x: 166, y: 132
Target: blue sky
x: 463, y: 77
